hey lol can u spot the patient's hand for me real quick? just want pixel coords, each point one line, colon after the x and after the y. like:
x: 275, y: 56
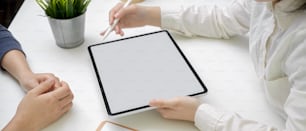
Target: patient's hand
x: 31, y: 80
x: 41, y: 106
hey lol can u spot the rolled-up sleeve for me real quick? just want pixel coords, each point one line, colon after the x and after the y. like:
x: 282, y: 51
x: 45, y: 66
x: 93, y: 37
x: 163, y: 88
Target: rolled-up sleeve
x: 208, y: 20
x: 295, y: 68
x: 207, y: 117
x: 7, y: 42
x: 210, y: 119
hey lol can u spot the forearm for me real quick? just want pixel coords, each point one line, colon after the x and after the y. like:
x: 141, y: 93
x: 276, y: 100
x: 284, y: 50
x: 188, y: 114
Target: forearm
x: 12, y: 58
x: 15, y: 63
x: 214, y: 21
x: 17, y: 124
x: 154, y: 17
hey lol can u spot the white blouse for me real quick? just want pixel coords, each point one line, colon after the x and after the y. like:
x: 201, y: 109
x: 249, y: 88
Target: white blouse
x: 277, y: 38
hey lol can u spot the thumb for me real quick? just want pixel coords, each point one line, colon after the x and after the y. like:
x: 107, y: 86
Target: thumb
x: 131, y: 9
x: 44, y: 86
x: 161, y: 103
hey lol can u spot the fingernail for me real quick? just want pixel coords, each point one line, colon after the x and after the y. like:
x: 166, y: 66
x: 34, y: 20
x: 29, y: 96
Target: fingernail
x: 50, y: 80
x: 153, y: 101
x: 116, y: 15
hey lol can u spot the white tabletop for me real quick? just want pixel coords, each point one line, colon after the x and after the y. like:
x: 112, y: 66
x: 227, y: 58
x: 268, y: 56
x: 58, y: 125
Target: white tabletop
x: 224, y: 66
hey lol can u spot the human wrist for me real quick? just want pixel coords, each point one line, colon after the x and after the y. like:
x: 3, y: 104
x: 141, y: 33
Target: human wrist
x: 197, y: 106
x: 19, y: 124
x: 15, y: 63
x: 23, y: 79
x: 24, y: 75
x: 153, y: 17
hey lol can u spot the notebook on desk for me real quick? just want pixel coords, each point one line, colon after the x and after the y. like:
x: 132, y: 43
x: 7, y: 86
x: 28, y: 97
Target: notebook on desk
x: 132, y: 71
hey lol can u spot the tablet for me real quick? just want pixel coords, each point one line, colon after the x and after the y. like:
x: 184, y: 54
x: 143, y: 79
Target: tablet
x: 132, y: 71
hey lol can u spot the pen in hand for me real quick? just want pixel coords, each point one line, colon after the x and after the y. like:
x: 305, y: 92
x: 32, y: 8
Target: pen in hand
x: 111, y: 27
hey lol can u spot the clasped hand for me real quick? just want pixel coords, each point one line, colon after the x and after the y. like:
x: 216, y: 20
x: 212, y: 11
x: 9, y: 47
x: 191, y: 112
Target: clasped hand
x: 46, y: 101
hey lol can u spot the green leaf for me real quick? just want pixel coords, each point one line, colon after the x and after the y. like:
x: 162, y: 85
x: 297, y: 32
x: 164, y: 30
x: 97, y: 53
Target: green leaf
x: 63, y: 9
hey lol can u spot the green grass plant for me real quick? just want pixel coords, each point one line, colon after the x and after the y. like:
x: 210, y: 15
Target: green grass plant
x: 63, y: 9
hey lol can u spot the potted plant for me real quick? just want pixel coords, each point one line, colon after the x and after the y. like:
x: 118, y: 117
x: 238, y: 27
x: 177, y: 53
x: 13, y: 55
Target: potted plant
x: 67, y: 20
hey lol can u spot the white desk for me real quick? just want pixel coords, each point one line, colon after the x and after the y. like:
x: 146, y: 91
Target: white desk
x: 223, y: 65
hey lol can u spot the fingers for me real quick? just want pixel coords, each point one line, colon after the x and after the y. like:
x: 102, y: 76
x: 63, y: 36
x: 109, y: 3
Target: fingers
x: 102, y: 33
x: 66, y: 104
x: 119, y: 30
x: 44, y: 76
x: 66, y: 108
x: 181, y: 108
x: 44, y: 86
x: 66, y: 100
x: 112, y: 17
x: 125, y: 11
x: 61, y: 98
x: 118, y: 12
x: 174, y: 102
x: 165, y: 112
x: 161, y: 103
x: 113, y: 11
x: 61, y: 92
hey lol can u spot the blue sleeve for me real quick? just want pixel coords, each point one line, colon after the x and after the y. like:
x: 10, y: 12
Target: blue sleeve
x: 7, y: 42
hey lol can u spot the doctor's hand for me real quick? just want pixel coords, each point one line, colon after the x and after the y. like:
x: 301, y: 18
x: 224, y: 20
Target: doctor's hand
x: 133, y: 16
x: 41, y: 106
x: 180, y: 108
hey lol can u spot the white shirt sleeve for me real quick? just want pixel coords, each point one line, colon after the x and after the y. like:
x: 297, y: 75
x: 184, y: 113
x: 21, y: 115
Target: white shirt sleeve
x: 208, y: 20
x: 295, y: 68
x: 207, y: 118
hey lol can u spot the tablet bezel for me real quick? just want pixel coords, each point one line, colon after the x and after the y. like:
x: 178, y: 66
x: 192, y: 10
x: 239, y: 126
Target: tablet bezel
x: 145, y: 106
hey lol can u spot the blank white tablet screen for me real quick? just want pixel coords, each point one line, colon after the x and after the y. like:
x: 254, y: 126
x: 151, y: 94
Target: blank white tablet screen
x: 136, y: 70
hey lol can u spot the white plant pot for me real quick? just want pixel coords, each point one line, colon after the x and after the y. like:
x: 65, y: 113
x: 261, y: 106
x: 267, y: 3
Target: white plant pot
x: 68, y: 33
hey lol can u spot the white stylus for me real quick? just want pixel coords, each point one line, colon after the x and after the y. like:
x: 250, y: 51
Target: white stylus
x: 111, y: 27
